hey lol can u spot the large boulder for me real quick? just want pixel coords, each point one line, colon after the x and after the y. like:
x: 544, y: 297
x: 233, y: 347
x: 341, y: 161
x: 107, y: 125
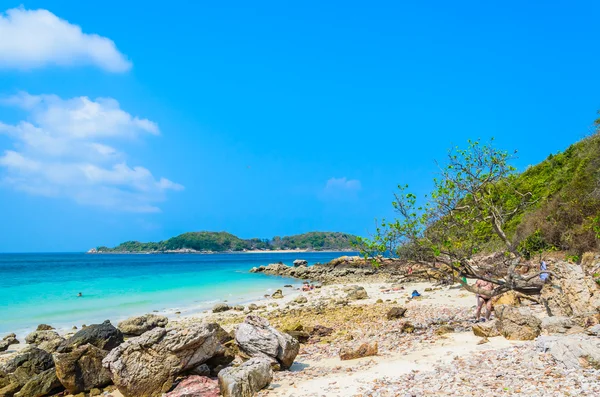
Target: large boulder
x: 508, y: 298
x: 571, y: 351
x: 40, y: 385
x: 488, y: 329
x: 21, y: 368
x: 358, y: 351
x: 47, y: 340
x: 147, y: 365
x: 81, y: 369
x: 103, y: 336
x: 196, y: 386
x: 572, y: 293
x: 247, y: 379
x: 257, y: 338
x: 140, y: 324
x: 277, y: 294
x: 518, y: 323
x: 356, y: 292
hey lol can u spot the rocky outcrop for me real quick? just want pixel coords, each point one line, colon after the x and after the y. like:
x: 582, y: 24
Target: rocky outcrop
x: 571, y: 351
x: 103, y: 336
x: 47, y: 340
x: 518, y: 323
x: 355, y: 292
x: 300, y: 262
x: 44, y: 327
x: 357, y: 351
x: 509, y: 298
x: 81, y: 369
x: 257, y: 338
x: 571, y: 293
x: 247, y: 379
x: 488, y: 329
x: 220, y: 307
x: 344, y: 269
x: 196, y: 386
x: 140, y: 324
x: 147, y: 365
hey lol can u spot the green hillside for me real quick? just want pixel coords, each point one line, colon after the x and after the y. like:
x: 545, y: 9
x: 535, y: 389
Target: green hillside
x: 566, y: 191
x: 223, y: 242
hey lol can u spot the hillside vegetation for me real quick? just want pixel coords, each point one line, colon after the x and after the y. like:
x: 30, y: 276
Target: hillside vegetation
x: 224, y: 242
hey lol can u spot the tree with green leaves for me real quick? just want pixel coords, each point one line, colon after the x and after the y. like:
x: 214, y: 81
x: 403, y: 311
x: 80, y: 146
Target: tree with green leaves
x: 473, y: 198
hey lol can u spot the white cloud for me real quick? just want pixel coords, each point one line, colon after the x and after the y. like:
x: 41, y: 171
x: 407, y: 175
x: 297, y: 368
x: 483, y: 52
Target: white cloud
x: 341, y: 187
x: 36, y: 38
x: 60, y: 151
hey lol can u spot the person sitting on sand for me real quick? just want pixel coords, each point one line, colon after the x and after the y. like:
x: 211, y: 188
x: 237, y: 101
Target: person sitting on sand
x: 306, y: 287
x: 484, y: 299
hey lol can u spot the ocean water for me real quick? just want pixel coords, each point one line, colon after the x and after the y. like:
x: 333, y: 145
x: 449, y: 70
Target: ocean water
x: 43, y: 288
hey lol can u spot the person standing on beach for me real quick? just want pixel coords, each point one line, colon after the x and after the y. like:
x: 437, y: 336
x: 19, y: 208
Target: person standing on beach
x: 483, y: 299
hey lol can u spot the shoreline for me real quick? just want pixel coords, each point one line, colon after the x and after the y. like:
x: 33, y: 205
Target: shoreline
x: 179, y: 252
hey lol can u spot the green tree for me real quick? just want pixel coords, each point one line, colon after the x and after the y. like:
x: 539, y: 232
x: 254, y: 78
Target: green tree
x: 473, y: 199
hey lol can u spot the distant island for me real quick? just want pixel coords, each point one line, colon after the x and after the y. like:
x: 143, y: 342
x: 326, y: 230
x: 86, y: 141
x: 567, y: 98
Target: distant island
x: 209, y: 242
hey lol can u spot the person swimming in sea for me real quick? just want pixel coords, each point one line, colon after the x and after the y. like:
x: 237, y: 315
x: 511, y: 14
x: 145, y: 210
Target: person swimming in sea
x: 79, y: 295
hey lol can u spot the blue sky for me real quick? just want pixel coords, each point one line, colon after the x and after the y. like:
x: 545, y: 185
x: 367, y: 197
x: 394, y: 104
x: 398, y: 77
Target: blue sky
x: 130, y: 121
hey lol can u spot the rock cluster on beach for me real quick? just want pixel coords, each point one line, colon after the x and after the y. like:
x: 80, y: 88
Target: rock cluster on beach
x: 331, y: 337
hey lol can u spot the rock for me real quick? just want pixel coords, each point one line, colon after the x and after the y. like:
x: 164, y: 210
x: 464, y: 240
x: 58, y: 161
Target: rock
x: 595, y: 330
x: 140, y: 324
x: 277, y: 294
x: 40, y: 385
x: 95, y: 392
x: 509, y: 298
x: 201, y: 370
x: 407, y: 327
x: 46, y: 340
x: 147, y: 365
x: 320, y: 330
x: 288, y: 286
x: 488, y: 329
x: 196, y: 386
x: 252, y: 307
x: 571, y: 351
x: 379, y: 301
x: 247, y: 379
x: 356, y: 292
x: 257, y: 338
x: 364, y: 350
x: 300, y: 299
x: 517, y: 323
x: 395, y: 313
x: 557, y: 325
x: 300, y: 262
x: 220, y: 307
x: 300, y: 336
x: 44, y: 327
x: 81, y: 369
x: 22, y: 368
x: 444, y: 329
x: 103, y: 336
x: 10, y: 339
x: 573, y: 293
x: 239, y: 308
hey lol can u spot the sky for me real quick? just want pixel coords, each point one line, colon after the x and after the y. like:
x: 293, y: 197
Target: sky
x: 131, y: 120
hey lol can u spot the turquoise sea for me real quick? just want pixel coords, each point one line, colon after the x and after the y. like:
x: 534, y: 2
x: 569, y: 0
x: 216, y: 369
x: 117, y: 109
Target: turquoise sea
x: 43, y: 288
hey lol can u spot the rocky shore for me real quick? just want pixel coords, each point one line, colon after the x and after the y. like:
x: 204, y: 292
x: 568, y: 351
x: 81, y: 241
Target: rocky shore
x: 342, y: 339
